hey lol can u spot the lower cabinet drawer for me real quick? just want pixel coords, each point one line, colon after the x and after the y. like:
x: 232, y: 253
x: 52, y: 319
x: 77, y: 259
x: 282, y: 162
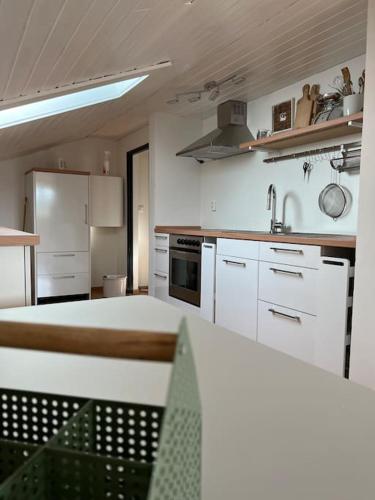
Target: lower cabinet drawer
x: 161, y: 286
x: 289, y: 286
x: 161, y: 240
x: 161, y: 259
x: 63, y: 284
x: 286, y: 330
x: 63, y: 262
x: 294, y: 255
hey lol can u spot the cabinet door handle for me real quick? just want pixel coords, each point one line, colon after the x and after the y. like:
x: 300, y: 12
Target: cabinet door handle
x: 161, y: 250
x: 286, y: 316
x: 86, y: 213
x: 64, y: 277
x: 234, y: 263
x: 160, y: 276
x: 287, y: 250
x: 290, y: 273
x: 64, y: 254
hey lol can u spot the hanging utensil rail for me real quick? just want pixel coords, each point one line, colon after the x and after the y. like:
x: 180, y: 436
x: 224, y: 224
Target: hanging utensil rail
x: 313, y: 152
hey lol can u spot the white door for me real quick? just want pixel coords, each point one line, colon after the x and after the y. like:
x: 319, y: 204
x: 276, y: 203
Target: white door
x: 236, y: 294
x: 61, y: 211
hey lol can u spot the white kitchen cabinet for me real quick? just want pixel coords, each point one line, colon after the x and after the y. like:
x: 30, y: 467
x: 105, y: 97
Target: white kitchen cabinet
x: 289, y: 286
x: 236, y: 294
x: 161, y: 259
x: 161, y: 285
x: 59, y: 285
x: 238, y: 248
x: 161, y: 240
x: 106, y: 201
x: 159, y: 279
x: 290, y: 254
x: 63, y: 262
x: 208, y: 282
x: 58, y: 203
x: 286, y: 330
x: 15, y: 289
x: 61, y: 211
x: 303, y: 304
x: 334, y: 303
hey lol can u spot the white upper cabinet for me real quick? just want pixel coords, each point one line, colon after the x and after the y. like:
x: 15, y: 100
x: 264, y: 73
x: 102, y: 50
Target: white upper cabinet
x: 106, y: 201
x: 61, y: 211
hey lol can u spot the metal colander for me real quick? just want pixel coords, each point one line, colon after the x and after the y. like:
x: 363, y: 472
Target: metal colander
x: 335, y: 200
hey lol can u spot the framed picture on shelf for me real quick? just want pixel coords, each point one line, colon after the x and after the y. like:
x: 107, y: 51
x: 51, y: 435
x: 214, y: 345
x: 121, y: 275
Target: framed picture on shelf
x: 283, y: 116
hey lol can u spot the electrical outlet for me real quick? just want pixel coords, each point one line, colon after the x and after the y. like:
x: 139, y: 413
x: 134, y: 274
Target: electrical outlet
x: 213, y: 205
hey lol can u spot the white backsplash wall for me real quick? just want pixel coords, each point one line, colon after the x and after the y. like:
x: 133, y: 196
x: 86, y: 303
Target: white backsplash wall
x: 174, y: 181
x: 239, y: 185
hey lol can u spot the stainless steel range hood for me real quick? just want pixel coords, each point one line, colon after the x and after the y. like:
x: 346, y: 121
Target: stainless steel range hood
x: 224, y: 141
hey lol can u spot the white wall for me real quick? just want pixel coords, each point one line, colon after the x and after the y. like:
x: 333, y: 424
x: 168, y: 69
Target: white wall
x: 239, y: 185
x: 174, y: 181
x: 86, y: 154
x: 140, y: 219
x: 362, y: 362
x: 130, y: 142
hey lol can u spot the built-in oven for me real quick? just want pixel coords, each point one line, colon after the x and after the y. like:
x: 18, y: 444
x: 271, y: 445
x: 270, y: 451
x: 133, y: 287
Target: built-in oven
x: 185, y: 259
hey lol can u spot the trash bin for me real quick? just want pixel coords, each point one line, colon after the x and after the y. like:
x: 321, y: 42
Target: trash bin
x: 114, y: 285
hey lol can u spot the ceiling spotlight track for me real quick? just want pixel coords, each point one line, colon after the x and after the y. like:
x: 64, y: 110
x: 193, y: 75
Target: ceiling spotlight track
x: 212, y: 88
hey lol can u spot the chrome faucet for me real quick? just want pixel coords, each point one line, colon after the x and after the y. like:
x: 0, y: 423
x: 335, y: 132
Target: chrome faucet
x: 276, y: 227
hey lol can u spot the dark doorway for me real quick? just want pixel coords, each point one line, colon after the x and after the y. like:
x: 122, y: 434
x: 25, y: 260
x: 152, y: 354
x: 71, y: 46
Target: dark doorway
x: 131, y: 161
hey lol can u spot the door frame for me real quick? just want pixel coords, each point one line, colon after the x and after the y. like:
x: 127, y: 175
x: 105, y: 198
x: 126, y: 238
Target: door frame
x: 129, y: 212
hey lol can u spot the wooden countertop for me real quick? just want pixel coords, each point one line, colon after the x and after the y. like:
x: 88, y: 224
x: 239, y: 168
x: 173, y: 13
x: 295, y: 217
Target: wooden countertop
x: 273, y: 427
x: 323, y: 240
x: 12, y: 237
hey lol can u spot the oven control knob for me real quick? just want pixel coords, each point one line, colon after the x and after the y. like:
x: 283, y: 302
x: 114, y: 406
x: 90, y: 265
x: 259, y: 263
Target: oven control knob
x: 179, y: 241
x: 197, y: 244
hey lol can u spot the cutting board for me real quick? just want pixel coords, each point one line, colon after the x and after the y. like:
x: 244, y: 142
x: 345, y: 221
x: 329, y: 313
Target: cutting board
x: 314, y: 95
x: 304, y: 109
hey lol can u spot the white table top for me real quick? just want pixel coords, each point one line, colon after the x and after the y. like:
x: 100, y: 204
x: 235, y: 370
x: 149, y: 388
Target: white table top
x: 273, y: 427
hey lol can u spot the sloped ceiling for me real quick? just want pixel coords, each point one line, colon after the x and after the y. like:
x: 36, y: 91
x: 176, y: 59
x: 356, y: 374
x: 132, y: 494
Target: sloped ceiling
x: 50, y: 43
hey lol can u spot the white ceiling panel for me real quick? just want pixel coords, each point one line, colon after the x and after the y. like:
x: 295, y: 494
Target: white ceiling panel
x: 46, y: 44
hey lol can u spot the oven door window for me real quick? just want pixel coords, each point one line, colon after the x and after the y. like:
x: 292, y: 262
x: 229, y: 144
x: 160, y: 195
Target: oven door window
x: 185, y: 274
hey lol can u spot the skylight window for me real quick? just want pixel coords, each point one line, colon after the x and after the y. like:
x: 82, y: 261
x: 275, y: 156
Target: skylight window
x: 55, y: 105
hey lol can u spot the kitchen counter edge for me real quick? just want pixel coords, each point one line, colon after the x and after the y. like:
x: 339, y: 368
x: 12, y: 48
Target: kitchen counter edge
x: 11, y: 238
x: 331, y: 240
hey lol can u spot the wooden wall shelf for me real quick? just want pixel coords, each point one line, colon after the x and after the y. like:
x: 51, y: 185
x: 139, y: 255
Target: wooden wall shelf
x: 332, y: 129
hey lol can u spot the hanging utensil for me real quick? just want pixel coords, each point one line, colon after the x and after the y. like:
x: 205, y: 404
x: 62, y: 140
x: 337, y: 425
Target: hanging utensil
x: 335, y: 200
x: 361, y: 82
x: 348, y: 84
